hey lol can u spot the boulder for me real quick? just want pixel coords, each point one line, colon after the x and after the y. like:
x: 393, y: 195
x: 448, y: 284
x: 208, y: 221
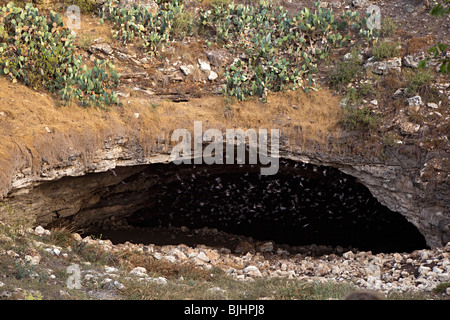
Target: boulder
x: 384, y: 67
x: 187, y: 70
x: 409, y: 127
x: 244, y: 247
x: 252, y: 271
x: 361, y: 3
x: 101, y: 47
x: 412, y: 61
x: 149, y: 4
x: 414, y: 101
x: 218, y: 58
x: 212, y: 76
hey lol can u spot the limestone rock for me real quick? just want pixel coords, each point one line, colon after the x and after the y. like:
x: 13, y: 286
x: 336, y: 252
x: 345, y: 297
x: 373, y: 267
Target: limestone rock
x: 33, y: 259
x: 101, y: 47
x: 56, y: 251
x: 424, y: 270
x: 397, y: 94
x: 218, y: 58
x: 265, y: 246
x: 412, y: 61
x: 384, y: 67
x: 217, y: 292
x: 39, y: 231
x: 409, y: 127
x: 212, y: 76
x: 160, y: 280
x: 349, y: 255
x: 203, y: 257
x: 76, y: 237
x: 414, y: 101
x: 111, y: 284
x: 204, y: 65
x: 424, y: 255
x: 244, y: 247
x: 212, y: 255
x: 361, y: 3
x: 374, y: 271
x: 111, y: 269
x: 252, y: 271
x: 348, y: 56
x: 139, y: 271
x: 322, y: 270
x: 187, y: 70
x: 170, y: 258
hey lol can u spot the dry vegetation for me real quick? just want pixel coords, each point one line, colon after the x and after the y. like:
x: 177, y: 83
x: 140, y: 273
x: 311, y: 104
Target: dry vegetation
x: 306, y: 118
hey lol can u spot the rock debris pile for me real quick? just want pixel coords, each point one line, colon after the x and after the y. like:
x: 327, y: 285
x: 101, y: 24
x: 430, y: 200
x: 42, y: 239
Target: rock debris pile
x: 420, y: 270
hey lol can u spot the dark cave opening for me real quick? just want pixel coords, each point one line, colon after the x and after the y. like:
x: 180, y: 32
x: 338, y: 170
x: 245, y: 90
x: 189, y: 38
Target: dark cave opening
x: 300, y: 205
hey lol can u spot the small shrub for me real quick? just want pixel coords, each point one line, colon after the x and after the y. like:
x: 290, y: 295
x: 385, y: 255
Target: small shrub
x: 355, y: 96
x: 441, y: 287
x: 389, y: 139
x: 346, y: 71
x: 35, y: 296
x: 420, y: 83
x: 418, y: 80
x: 388, y: 27
x: 385, y: 50
x: 184, y: 24
x: 168, y: 269
x: 216, y: 3
x: 94, y: 253
x: 362, y: 120
x: 14, y: 220
x: 24, y: 269
x: 86, y: 6
x: 61, y: 237
x: 296, y: 290
x: 85, y: 41
x: 416, y: 117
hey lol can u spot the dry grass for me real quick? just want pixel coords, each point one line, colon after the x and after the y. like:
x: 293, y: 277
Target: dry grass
x: 93, y: 29
x: 34, y: 128
x: 417, y: 44
x: 307, y: 119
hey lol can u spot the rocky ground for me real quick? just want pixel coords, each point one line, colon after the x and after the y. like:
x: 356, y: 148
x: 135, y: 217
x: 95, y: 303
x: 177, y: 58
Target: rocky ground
x: 418, y: 270
x: 424, y: 272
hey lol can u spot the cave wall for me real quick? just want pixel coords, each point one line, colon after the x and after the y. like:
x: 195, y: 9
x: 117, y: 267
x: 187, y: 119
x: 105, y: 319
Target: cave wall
x: 55, y: 192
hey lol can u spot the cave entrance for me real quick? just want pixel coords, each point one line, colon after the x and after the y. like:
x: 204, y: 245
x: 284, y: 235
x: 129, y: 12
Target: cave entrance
x: 300, y: 205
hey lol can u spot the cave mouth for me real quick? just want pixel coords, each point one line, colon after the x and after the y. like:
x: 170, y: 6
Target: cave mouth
x: 302, y: 204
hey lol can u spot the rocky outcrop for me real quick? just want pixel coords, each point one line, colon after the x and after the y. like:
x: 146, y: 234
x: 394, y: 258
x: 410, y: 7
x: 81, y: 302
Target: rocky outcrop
x: 410, y: 183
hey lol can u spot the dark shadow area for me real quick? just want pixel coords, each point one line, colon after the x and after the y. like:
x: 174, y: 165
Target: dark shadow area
x: 300, y: 205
